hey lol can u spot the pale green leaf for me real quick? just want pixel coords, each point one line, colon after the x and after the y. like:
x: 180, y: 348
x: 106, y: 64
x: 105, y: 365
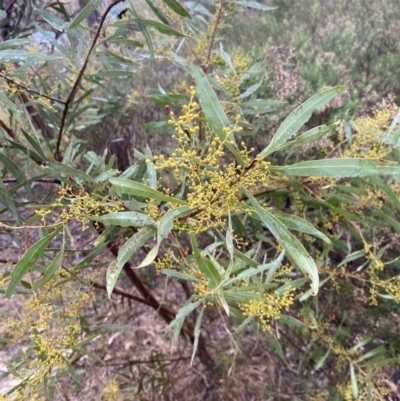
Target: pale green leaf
x: 129, y: 187
x: 27, y: 261
x: 125, y: 219
x: 212, y: 109
x: 298, y: 118
x: 339, y: 168
x: 292, y: 245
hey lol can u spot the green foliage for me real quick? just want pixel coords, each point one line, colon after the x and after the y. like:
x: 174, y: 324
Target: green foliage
x: 297, y: 238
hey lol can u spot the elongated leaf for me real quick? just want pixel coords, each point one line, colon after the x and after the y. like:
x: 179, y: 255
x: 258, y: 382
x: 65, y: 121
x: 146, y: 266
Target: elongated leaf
x: 250, y: 91
x: 321, y: 361
x: 129, y: 187
x: 197, y: 334
x: 164, y: 228
x: 125, y: 219
x: 340, y: 168
x: 293, y: 222
x: 212, y: 109
x: 205, y: 266
x: 175, y: 6
x: 54, y: 21
x: 353, y: 381
x: 27, y: 261
x: 226, y: 57
x: 181, y: 276
x: 309, y: 136
x: 86, y: 11
x: 9, y: 104
x: 142, y: 23
x: 12, y: 168
x: 50, y: 271
x: 61, y: 169
x: 260, y: 269
x: 299, y: 117
x: 291, y: 244
x: 156, y: 10
x: 291, y: 321
x: 7, y: 201
x: 125, y: 253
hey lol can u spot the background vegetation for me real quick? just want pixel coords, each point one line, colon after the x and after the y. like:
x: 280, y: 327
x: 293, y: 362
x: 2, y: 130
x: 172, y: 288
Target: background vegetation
x: 200, y: 167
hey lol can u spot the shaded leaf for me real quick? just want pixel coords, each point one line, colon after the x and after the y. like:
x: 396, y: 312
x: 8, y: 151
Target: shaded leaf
x: 27, y: 261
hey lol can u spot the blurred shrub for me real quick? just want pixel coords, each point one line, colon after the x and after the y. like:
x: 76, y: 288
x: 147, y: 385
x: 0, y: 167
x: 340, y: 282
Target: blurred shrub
x: 310, y: 45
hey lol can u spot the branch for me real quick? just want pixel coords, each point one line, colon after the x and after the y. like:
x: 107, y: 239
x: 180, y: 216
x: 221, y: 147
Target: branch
x: 54, y: 99
x: 214, y: 32
x: 6, y: 128
x: 79, y: 77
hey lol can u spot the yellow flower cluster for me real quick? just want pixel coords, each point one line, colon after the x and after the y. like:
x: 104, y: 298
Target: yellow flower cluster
x: 50, y: 318
x: 213, y: 184
x: 166, y: 262
x: 76, y: 205
x: 371, y: 130
x: 268, y: 307
x: 232, y: 79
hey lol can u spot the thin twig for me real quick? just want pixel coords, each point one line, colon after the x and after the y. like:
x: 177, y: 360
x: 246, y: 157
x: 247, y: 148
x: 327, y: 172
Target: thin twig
x: 79, y: 77
x: 6, y: 128
x: 214, y: 33
x: 54, y: 99
x: 123, y: 293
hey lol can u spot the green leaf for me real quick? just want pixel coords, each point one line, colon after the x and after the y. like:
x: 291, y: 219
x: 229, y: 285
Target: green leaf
x: 129, y: 187
x: 308, y: 136
x: 9, y: 104
x: 64, y: 170
x: 291, y: 321
x: 197, y: 334
x: 165, y: 226
x: 298, y: 118
x: 13, y: 169
x: 128, y: 42
x: 50, y: 270
x: 86, y: 11
x: 27, y: 261
x: 339, y: 168
x: 213, y: 110
x: 125, y: 253
x: 353, y: 381
x: 291, y: 244
x: 9, y: 44
x: 157, y: 12
x: 253, y: 271
x: 293, y: 222
x: 125, y: 219
x: 321, y: 361
x: 181, y: 276
x: 54, y: 21
x: 7, y: 201
x: 253, y: 4
x: 175, y: 6
x: 249, y: 91
x: 205, y: 266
